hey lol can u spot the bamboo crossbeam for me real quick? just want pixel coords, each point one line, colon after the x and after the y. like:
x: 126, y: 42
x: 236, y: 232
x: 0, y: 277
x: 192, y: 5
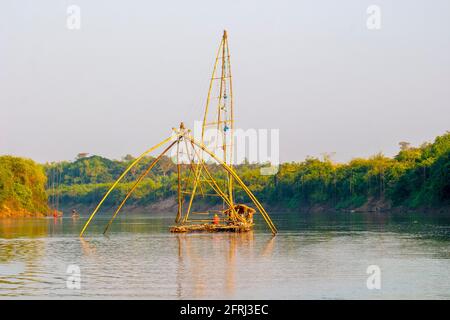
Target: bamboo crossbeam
x: 220, y: 78
x: 213, y: 123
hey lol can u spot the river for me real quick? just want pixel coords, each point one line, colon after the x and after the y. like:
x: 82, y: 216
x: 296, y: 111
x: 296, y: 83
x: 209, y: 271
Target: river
x: 314, y: 256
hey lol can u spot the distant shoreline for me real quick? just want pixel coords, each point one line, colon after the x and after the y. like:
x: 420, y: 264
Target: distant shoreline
x: 169, y: 205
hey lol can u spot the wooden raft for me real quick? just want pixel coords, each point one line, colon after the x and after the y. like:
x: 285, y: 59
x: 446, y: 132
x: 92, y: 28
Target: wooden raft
x: 211, y: 228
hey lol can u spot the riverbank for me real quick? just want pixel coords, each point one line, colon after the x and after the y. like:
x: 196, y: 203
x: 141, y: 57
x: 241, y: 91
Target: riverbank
x: 170, y: 205
x: 22, y: 188
x: 6, y: 212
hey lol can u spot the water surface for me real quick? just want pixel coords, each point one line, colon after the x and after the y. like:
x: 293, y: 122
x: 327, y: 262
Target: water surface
x: 315, y: 256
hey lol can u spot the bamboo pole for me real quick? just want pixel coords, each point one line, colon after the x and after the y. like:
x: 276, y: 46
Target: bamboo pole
x: 194, y: 189
x: 150, y: 167
x: 180, y: 204
x: 230, y: 181
x: 119, y: 179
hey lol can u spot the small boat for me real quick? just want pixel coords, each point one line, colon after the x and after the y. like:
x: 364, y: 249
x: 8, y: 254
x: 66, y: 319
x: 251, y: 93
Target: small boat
x: 75, y: 214
x: 57, y: 213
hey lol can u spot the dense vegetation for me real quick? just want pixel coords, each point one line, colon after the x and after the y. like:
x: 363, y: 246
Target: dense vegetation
x: 22, y: 187
x: 416, y: 177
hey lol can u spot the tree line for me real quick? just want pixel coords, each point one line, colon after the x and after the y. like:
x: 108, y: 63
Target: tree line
x: 416, y: 177
x: 22, y: 186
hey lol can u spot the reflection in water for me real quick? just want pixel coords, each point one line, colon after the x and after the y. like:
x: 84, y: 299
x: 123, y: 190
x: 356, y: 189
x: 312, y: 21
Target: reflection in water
x: 203, y: 271
x: 313, y: 256
x: 19, y: 262
x: 18, y: 258
x: 268, y: 249
x: 14, y: 228
x: 88, y: 248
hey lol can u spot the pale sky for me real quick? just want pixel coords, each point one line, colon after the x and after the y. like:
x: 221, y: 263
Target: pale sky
x: 137, y: 68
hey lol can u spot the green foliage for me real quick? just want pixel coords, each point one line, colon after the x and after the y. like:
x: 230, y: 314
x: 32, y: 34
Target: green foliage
x: 415, y: 177
x: 22, y: 185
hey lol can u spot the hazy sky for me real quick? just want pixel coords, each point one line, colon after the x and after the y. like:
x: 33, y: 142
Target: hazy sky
x: 137, y: 68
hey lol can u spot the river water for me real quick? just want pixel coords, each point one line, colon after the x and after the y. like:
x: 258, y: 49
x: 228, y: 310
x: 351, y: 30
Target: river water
x: 314, y: 256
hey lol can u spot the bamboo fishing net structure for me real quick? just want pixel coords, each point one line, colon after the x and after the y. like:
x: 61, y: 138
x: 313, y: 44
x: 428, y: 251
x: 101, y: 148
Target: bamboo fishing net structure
x: 192, y: 156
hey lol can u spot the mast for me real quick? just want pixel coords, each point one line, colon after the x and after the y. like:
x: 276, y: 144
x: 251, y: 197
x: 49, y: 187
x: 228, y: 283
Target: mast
x: 221, y: 116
